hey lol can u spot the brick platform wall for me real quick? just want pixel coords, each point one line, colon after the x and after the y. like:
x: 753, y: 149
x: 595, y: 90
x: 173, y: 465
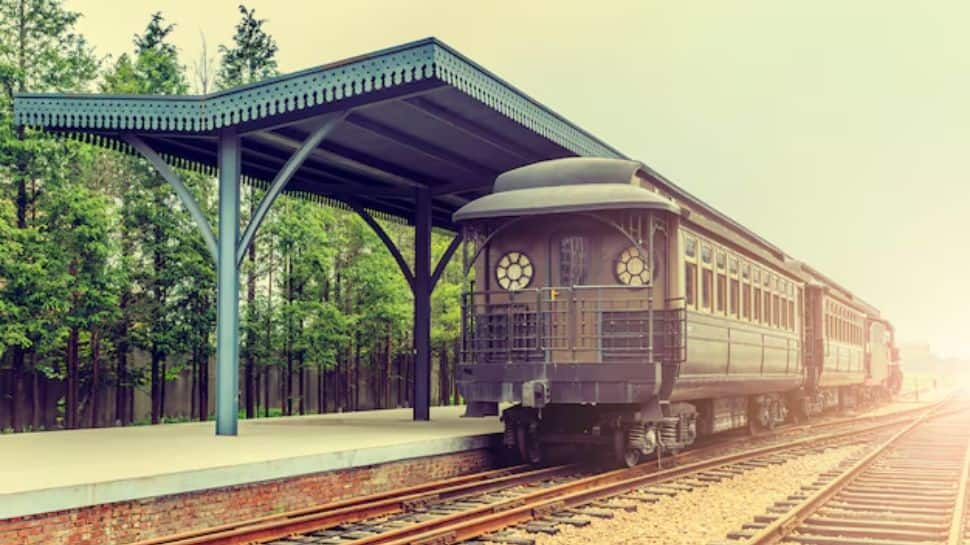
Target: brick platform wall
x: 130, y: 521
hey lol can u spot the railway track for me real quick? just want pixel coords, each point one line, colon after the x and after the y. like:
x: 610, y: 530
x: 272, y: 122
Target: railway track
x: 909, y: 489
x: 532, y: 500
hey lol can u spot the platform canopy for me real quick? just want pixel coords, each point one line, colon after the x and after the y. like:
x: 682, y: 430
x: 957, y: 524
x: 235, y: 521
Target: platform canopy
x: 414, y: 131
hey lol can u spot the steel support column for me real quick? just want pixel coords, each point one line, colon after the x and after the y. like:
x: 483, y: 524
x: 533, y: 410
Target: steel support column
x: 422, y: 305
x: 227, y: 287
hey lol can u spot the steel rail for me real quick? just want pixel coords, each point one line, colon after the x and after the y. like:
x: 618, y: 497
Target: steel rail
x: 782, y: 527
x: 390, y: 502
x: 472, y: 523
x: 959, y: 523
x: 353, y: 509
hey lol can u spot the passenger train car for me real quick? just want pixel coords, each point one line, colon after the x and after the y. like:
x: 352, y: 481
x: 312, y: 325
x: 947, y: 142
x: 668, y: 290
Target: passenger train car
x: 615, y: 310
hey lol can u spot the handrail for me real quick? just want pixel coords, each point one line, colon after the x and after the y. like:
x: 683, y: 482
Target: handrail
x: 587, y: 323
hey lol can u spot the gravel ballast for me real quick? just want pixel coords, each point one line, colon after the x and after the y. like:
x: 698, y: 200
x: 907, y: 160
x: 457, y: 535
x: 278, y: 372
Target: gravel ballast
x: 705, y: 514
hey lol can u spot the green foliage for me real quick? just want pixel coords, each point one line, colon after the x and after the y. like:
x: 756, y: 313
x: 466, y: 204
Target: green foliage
x: 98, y: 256
x: 153, y: 69
x: 252, y: 56
x: 39, y: 50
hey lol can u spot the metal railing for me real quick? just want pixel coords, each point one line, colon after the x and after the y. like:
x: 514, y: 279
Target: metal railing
x: 588, y: 324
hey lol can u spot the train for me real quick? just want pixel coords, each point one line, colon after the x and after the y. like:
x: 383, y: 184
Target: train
x: 607, y: 309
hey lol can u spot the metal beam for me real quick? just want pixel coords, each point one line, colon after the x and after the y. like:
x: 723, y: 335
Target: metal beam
x: 391, y: 247
x: 470, y: 128
x: 276, y: 187
x: 183, y: 193
x: 422, y: 306
x: 342, y: 161
x: 421, y: 146
x: 461, y: 187
x: 307, y: 179
x: 443, y: 261
x: 227, y: 287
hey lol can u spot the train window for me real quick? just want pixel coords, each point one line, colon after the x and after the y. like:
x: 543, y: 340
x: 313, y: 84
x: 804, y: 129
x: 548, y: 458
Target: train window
x: 735, y: 288
x: 757, y: 303
x: 514, y: 271
x: 706, y: 253
x: 690, y: 246
x: 746, y: 301
x: 707, y: 278
x: 573, y: 261
x: 721, y: 292
x: 690, y: 284
x: 631, y: 268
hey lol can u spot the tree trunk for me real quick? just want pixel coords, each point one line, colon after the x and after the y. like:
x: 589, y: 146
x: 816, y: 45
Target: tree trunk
x: 18, y: 388
x: 162, y: 387
x: 70, y: 405
x: 156, y: 390
x: 269, y: 328
x: 37, y: 407
x: 388, y: 367
x: 122, y: 416
x: 452, y: 387
x: 203, y: 383
x: 321, y: 390
x: 194, y: 385
x: 257, y: 384
x: 266, y: 391
x: 95, y: 376
x: 301, y: 405
x: 443, y: 394
x: 357, y: 375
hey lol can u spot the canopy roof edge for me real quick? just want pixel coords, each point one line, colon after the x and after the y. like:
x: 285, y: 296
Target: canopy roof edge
x: 427, y: 59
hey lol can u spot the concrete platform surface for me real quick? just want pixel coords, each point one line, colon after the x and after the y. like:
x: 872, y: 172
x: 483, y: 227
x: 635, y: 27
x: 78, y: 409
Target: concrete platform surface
x: 50, y: 471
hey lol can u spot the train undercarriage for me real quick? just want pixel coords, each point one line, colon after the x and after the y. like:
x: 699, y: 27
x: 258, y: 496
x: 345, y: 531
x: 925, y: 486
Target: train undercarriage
x: 628, y: 434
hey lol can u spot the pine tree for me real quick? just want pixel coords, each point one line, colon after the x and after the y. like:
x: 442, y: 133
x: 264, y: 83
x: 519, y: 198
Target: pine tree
x: 152, y: 219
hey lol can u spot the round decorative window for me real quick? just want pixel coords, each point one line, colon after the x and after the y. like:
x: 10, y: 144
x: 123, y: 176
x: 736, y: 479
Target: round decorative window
x: 514, y: 271
x: 632, y: 268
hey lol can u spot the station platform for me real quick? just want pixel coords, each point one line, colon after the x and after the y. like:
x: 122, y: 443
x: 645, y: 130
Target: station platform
x: 61, y: 470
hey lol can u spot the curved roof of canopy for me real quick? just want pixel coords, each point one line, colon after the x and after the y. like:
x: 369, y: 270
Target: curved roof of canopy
x: 575, y: 184
x: 419, y: 116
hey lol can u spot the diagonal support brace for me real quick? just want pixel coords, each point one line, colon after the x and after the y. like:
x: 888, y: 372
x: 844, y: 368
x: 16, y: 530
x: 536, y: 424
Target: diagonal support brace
x: 183, y: 193
x: 443, y: 261
x: 382, y: 234
x: 283, y: 177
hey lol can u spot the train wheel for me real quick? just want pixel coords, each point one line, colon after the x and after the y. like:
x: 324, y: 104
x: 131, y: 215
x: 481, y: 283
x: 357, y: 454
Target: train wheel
x: 631, y: 457
x: 625, y: 455
x: 529, y: 448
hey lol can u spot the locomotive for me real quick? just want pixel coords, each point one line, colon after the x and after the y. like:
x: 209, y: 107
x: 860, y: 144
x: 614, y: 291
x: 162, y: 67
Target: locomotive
x: 615, y: 311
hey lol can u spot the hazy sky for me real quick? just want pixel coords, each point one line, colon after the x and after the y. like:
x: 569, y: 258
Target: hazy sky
x: 838, y: 130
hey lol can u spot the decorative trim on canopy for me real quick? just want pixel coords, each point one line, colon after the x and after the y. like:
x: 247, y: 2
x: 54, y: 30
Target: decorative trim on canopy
x: 398, y: 66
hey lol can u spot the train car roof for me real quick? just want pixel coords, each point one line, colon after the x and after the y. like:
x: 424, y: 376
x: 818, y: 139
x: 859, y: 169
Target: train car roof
x: 712, y: 215
x: 573, y: 184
